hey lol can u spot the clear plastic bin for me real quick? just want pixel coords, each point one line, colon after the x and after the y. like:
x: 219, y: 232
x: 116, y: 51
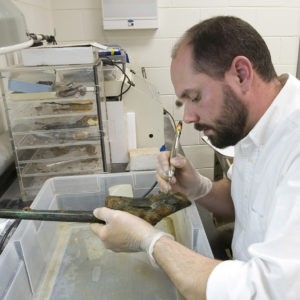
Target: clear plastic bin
x: 53, y: 260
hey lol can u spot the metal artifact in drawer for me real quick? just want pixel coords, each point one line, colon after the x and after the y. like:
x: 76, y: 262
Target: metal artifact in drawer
x: 55, y: 106
x: 57, y: 138
x: 54, y: 123
x: 61, y: 153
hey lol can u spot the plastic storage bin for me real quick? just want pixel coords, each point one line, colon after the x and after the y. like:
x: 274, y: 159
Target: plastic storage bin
x: 56, y: 260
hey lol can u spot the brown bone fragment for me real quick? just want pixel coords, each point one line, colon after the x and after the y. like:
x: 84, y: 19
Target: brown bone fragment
x: 152, y: 209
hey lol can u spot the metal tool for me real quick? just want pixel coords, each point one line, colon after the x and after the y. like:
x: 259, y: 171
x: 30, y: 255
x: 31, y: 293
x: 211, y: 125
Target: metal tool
x: 50, y: 215
x: 174, y: 149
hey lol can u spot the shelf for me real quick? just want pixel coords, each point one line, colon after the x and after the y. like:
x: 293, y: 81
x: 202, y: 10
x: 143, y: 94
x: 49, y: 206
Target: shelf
x: 34, y: 183
x: 52, y: 107
x: 58, y: 168
x: 80, y: 121
x: 54, y: 154
x: 57, y: 138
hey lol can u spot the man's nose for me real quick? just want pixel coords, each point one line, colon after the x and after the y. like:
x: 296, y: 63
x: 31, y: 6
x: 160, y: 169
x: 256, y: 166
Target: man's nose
x: 189, y: 114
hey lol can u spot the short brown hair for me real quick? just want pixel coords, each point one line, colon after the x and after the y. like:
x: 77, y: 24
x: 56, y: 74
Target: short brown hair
x: 217, y: 41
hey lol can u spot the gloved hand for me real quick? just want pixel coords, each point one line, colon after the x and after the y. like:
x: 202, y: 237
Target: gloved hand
x: 124, y: 232
x: 186, y: 180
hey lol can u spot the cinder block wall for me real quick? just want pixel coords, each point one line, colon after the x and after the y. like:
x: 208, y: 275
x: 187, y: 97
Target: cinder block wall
x: 278, y: 21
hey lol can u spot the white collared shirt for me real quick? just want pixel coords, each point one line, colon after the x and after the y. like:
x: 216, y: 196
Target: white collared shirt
x: 265, y: 190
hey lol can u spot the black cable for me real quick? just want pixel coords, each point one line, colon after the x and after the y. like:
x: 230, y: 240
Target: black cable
x: 11, y: 203
x: 123, y: 81
x: 150, y: 190
x: 128, y: 79
x: 5, y: 236
x: 122, y: 86
x: 111, y: 62
x: 130, y: 85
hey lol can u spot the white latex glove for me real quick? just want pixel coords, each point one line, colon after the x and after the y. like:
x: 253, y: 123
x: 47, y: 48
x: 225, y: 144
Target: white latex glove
x: 186, y: 180
x: 124, y: 232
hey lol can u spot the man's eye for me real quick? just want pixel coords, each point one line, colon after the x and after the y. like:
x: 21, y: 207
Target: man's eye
x: 196, y: 99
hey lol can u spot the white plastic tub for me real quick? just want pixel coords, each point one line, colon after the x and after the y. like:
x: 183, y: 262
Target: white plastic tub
x: 58, y: 261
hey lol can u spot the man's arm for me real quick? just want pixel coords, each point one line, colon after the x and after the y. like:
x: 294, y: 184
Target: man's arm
x: 188, y: 270
x: 219, y: 200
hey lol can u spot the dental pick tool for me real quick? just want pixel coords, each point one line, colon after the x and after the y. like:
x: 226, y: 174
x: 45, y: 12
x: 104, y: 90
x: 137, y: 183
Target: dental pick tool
x: 174, y: 149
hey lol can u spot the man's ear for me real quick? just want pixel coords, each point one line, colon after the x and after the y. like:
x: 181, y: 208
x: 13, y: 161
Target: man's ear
x: 242, y: 71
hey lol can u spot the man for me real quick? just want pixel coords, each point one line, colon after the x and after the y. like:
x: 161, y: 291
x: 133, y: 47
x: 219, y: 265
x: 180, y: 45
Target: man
x: 222, y: 72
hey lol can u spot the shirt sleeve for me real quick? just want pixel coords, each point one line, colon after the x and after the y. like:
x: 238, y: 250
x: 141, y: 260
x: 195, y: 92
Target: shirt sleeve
x: 273, y: 270
x: 227, y: 282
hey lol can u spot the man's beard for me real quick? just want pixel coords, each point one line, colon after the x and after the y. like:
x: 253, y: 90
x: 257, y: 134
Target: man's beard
x: 229, y: 128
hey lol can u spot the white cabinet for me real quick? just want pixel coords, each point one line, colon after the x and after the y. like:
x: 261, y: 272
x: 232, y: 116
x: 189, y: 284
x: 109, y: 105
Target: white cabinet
x: 129, y: 14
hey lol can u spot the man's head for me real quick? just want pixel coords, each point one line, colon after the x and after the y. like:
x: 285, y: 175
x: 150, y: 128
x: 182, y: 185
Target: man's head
x: 215, y: 66
x: 217, y: 41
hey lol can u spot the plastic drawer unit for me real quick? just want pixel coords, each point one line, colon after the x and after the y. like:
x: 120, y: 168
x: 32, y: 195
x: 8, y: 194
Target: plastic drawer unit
x: 57, y: 120
x: 56, y: 260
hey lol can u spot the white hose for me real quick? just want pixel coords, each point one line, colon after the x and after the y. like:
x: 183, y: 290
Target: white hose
x: 16, y: 47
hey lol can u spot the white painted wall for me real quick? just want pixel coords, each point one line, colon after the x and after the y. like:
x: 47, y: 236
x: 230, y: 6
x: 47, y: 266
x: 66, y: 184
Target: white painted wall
x: 278, y: 21
x: 38, y: 15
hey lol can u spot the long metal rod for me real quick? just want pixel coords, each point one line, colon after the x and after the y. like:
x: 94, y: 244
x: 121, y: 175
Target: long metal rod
x: 50, y: 215
x: 174, y: 149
